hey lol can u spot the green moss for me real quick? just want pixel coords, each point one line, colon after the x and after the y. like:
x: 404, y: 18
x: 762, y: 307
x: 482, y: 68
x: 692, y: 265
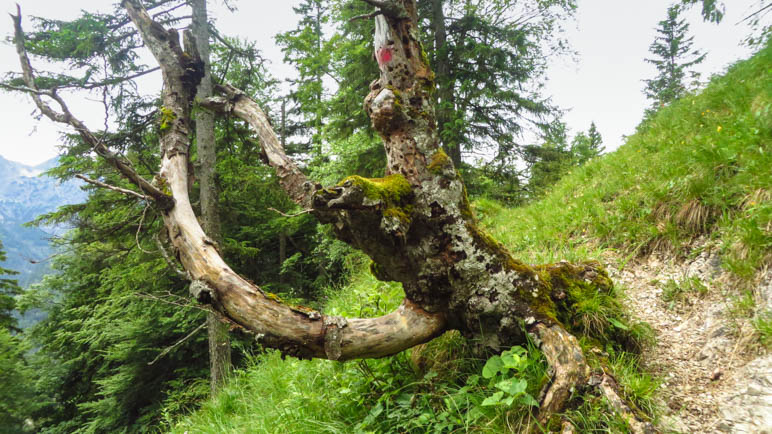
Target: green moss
x: 438, y: 163
x: 542, y: 303
x: 466, y: 206
x: 591, y: 308
x: 273, y: 297
x: 162, y: 185
x: 399, y: 213
x: 391, y: 189
x: 397, y: 95
x: 167, y: 117
x: 393, y: 192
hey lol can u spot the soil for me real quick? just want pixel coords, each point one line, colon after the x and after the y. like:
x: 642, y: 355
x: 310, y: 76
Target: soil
x: 715, y: 375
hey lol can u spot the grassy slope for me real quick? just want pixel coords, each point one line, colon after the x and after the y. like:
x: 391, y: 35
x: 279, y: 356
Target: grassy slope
x: 700, y: 166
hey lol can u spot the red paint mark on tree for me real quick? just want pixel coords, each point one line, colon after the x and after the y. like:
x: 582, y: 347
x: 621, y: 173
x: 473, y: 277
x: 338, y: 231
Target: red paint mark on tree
x: 384, y: 56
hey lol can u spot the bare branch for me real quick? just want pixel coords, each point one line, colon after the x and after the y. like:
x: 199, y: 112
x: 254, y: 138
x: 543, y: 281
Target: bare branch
x: 114, y: 188
x: 305, y: 211
x: 243, y: 53
x: 139, y: 229
x: 178, y: 343
x: 168, y: 258
x: 365, y: 16
x: 25, y: 89
x: 291, y: 178
x: 66, y: 117
x: 764, y: 8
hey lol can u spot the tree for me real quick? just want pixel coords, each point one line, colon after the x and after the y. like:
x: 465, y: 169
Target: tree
x: 219, y: 343
x: 489, y: 59
x: 673, y: 58
x: 416, y: 224
x: 307, y: 49
x: 712, y: 10
x: 548, y: 162
x: 9, y: 289
x: 586, y: 146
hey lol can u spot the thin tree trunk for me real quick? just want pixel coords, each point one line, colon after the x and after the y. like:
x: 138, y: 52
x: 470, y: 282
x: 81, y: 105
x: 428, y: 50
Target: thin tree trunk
x: 219, y: 341
x: 445, y: 94
x: 282, y: 253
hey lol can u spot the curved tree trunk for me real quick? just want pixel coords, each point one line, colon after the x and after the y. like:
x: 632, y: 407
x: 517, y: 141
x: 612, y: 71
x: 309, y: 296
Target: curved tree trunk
x: 416, y: 223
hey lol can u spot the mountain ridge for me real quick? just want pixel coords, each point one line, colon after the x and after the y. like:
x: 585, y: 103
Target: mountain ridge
x: 26, y: 193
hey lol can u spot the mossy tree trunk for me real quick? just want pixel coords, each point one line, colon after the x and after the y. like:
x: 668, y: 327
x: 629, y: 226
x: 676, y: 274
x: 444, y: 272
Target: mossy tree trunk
x: 416, y: 223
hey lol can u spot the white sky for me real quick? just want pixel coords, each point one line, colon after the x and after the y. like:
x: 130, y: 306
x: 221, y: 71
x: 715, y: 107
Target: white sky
x: 612, y: 38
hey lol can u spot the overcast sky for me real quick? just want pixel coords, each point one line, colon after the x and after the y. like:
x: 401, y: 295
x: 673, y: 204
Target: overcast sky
x: 612, y: 38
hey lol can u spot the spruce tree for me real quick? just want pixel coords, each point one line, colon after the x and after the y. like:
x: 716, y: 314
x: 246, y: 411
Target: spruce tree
x: 307, y: 49
x: 673, y: 57
x: 9, y: 288
x: 586, y: 146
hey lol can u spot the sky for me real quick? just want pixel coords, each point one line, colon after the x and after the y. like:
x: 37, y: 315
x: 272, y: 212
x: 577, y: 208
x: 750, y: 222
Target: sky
x: 604, y: 84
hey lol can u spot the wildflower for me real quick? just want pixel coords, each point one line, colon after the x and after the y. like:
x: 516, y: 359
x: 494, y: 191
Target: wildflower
x: 718, y: 129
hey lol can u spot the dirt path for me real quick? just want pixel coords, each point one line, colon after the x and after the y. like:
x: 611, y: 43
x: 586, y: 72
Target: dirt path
x: 713, y: 378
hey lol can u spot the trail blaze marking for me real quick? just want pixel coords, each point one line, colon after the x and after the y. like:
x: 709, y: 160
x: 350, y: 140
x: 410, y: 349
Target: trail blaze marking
x: 384, y: 56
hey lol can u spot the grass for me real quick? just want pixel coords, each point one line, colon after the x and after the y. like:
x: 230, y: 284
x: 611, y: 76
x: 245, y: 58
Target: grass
x: 699, y: 168
x: 763, y: 327
x: 677, y: 293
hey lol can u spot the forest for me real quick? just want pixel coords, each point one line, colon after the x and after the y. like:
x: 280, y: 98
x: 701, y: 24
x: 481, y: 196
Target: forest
x: 405, y: 236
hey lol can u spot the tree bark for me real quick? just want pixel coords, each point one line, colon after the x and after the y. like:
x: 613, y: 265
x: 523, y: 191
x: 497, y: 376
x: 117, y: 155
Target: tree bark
x: 416, y: 224
x: 219, y: 341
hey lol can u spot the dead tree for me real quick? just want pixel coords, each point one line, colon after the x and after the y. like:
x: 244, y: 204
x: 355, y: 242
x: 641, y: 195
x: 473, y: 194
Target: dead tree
x: 416, y: 224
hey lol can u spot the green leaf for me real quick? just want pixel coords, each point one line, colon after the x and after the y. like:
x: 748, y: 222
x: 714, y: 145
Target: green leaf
x: 618, y: 324
x: 528, y: 400
x: 473, y: 380
x: 512, y: 386
x: 512, y: 361
x: 492, y: 367
x: 493, y: 399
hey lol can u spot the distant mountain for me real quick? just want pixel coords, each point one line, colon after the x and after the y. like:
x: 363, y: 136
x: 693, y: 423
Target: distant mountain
x: 25, y: 194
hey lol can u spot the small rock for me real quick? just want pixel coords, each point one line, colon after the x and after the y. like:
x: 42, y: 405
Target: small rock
x: 716, y: 374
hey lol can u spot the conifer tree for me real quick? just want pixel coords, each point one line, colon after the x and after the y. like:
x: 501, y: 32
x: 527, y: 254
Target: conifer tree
x: 9, y: 288
x: 586, y: 146
x: 673, y: 57
x: 307, y: 49
x: 489, y: 59
x: 219, y: 342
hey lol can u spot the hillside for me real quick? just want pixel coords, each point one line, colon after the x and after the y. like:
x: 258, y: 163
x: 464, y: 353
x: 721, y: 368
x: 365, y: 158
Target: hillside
x: 682, y: 216
x: 24, y: 195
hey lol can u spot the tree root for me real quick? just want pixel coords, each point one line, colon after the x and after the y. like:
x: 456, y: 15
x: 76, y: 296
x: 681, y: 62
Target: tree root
x: 570, y: 371
x: 608, y: 387
x: 567, y: 365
